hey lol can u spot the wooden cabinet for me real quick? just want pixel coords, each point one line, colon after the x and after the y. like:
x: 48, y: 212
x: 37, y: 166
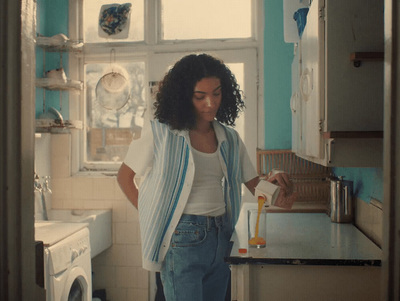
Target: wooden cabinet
x: 337, y: 75
x: 305, y: 282
x: 307, y: 257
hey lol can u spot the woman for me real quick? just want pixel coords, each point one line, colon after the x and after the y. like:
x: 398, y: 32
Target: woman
x: 194, y: 165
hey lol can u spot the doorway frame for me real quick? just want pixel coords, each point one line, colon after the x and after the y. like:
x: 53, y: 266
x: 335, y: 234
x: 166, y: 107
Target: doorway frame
x: 391, y: 166
x: 17, y: 131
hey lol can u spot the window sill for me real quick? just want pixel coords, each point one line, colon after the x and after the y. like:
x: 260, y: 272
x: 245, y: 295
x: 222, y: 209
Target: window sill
x: 95, y: 174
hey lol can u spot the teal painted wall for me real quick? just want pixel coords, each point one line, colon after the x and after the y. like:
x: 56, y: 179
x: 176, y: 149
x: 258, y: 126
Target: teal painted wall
x: 367, y: 182
x: 52, y: 19
x: 278, y: 57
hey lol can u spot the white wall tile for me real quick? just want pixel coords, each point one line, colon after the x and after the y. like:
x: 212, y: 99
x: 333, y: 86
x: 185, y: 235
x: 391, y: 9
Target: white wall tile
x: 104, y: 188
x: 61, y: 155
x: 119, y: 195
x: 104, y: 277
x: 43, y: 154
x: 98, y: 204
x: 377, y: 226
x: 369, y: 220
x: 57, y: 203
x: 82, y: 188
x: 74, y: 203
x: 116, y: 255
x: 134, y: 255
x: 137, y: 294
x: 117, y: 294
x: 61, y: 144
x: 132, y: 214
x: 62, y: 188
x: 143, y: 277
x: 126, y: 277
x: 127, y: 233
x: 119, y: 211
x: 132, y: 277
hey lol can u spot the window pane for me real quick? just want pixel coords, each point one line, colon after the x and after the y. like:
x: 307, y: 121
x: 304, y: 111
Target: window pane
x: 205, y: 19
x: 114, y: 25
x: 110, y: 128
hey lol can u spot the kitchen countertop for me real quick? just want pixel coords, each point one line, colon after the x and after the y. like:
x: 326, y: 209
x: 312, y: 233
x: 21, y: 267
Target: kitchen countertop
x: 305, y: 239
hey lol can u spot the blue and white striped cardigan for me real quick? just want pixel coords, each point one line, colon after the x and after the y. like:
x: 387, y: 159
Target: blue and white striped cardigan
x: 164, y: 192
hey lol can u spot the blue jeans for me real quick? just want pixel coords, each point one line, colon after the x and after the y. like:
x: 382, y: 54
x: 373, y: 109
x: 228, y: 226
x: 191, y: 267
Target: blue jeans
x: 194, y: 267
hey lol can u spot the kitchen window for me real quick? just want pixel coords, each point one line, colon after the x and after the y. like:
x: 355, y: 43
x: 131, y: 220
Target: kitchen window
x: 206, y: 19
x: 133, y: 57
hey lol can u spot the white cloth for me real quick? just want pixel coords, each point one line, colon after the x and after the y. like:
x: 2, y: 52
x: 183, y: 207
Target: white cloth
x: 206, y: 197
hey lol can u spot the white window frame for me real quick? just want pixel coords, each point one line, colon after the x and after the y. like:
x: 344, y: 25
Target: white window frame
x: 143, y: 50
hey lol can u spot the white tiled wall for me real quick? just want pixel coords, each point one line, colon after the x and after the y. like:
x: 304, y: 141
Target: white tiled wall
x: 369, y: 220
x: 118, y: 269
x: 42, y: 154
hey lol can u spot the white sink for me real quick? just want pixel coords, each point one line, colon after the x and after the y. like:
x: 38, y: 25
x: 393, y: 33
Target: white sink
x: 52, y: 232
x: 99, y: 224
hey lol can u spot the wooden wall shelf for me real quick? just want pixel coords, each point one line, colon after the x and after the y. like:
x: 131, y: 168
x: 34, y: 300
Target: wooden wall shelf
x: 354, y: 135
x: 358, y: 57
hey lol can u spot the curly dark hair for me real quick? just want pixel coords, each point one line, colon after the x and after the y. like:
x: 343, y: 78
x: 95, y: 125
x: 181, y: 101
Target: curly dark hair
x: 174, y: 104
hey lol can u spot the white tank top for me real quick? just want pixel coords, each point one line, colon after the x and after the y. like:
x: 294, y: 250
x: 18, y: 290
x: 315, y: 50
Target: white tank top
x: 206, y: 196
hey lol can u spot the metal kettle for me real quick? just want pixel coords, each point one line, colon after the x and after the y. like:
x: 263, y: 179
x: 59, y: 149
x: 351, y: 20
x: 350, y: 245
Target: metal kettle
x: 341, y: 203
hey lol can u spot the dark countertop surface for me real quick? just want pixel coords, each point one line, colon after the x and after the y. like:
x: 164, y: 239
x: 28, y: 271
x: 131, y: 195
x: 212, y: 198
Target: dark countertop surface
x: 305, y: 239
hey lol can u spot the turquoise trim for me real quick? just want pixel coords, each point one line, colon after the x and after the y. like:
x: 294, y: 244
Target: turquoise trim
x: 278, y: 57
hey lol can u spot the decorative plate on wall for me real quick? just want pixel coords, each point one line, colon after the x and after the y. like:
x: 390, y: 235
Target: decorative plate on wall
x: 114, y: 20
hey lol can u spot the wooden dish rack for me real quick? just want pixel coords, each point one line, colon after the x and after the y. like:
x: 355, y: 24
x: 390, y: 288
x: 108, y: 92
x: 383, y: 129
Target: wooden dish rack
x: 311, y: 180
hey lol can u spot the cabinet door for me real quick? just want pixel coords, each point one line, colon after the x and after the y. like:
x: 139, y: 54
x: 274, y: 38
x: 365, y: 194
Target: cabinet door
x: 354, y: 95
x: 336, y: 96
x: 312, y: 82
x: 295, y: 104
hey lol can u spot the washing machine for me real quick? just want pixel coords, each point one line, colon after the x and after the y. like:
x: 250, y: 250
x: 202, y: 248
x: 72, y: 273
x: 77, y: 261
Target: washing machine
x: 67, y: 262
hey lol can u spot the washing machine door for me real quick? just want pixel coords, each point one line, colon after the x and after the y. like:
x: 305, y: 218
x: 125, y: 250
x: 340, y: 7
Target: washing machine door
x: 78, y: 286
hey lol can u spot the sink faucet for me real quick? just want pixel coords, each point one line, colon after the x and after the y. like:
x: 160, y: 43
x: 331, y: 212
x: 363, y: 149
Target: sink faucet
x: 36, y: 183
x: 46, y: 186
x: 38, y: 187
